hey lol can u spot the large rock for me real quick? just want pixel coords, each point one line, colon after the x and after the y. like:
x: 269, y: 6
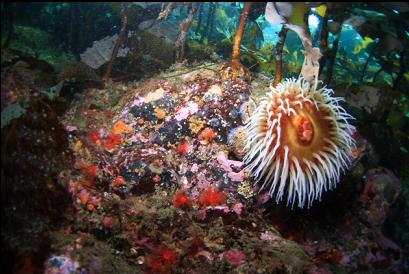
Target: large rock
x: 381, y: 190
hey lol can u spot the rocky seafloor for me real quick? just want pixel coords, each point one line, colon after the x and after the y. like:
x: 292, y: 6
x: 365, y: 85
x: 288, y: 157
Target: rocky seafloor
x: 149, y: 178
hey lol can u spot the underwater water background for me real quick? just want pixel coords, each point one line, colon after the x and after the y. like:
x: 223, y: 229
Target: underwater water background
x: 125, y: 125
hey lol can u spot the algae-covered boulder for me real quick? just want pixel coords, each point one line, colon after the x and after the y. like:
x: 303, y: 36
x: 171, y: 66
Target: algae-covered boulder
x: 41, y: 45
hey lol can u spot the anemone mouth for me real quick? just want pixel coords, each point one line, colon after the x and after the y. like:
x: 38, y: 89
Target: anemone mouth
x: 304, y: 132
x: 298, y: 140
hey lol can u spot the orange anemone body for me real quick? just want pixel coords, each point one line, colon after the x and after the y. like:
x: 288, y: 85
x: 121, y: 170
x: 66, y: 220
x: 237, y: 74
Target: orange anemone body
x: 119, y: 181
x: 112, y: 140
x: 206, y: 136
x: 181, y: 200
x: 183, y: 148
x: 212, y: 196
x: 162, y: 260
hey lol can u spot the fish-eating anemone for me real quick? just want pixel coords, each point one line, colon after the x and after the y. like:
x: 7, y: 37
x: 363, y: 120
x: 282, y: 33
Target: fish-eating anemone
x: 299, y: 141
